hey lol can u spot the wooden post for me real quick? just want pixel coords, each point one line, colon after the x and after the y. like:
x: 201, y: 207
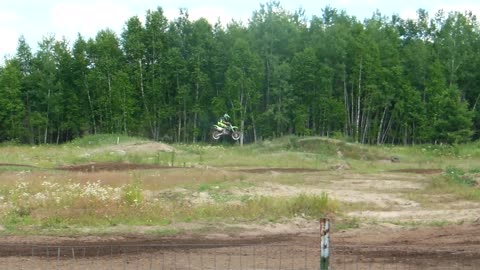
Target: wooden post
x: 325, y: 244
x: 172, y: 159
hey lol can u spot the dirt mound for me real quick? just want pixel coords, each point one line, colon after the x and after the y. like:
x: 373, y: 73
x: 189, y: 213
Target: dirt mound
x: 112, y: 166
x: 133, y: 148
x: 151, y: 147
x: 419, y: 171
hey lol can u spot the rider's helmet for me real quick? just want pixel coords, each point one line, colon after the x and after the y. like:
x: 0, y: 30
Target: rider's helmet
x: 226, y: 117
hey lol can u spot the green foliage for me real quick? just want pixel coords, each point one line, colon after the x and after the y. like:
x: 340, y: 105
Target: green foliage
x: 459, y: 183
x: 270, y: 208
x: 348, y: 223
x: 453, y: 121
x: 458, y: 176
x: 13, y: 220
x: 166, y: 232
x: 132, y: 193
x: 311, y: 205
x: 11, y: 106
x: 378, y: 81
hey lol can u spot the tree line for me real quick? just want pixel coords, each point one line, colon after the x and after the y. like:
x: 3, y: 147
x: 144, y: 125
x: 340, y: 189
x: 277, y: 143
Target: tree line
x: 381, y: 80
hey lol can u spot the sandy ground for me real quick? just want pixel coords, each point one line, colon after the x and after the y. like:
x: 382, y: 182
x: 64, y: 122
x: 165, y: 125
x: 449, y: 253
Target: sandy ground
x: 384, y: 241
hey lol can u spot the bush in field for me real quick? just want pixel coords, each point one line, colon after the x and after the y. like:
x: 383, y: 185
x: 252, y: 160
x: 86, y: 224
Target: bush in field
x: 458, y: 176
x: 312, y: 205
x: 132, y: 193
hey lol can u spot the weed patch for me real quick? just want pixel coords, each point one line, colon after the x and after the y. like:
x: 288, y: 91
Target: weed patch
x: 457, y: 182
x: 348, y: 223
x: 458, y: 176
x: 63, y: 206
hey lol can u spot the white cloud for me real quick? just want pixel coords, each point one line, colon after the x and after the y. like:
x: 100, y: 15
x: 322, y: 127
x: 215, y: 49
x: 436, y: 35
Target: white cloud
x: 212, y: 14
x: 342, y: 2
x: 8, y: 17
x: 409, y: 14
x: 8, y: 45
x: 9, y: 35
x: 87, y: 18
x: 474, y: 8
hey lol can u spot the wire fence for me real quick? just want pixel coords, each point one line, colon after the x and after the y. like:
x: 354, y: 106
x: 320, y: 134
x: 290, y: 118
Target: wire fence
x: 164, y: 257
x: 403, y: 258
x: 227, y: 256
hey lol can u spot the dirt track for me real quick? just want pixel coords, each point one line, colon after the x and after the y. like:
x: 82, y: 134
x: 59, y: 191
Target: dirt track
x: 421, y: 240
x: 124, y: 166
x: 426, y: 248
x: 366, y: 248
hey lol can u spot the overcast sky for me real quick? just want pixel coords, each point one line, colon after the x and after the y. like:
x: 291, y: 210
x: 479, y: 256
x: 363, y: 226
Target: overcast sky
x: 37, y: 18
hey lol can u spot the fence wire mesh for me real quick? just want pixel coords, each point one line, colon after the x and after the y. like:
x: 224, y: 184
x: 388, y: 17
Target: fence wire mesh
x: 176, y: 257
x: 222, y: 256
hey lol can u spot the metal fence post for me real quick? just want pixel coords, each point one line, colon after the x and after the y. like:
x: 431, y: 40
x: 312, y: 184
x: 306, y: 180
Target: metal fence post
x: 325, y: 244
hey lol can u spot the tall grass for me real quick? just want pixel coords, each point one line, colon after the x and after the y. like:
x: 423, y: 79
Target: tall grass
x: 63, y: 206
x: 458, y: 182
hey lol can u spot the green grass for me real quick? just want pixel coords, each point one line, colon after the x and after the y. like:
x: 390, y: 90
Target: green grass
x: 166, y: 232
x: 64, y: 208
x: 347, y: 224
x: 416, y: 224
x: 453, y: 185
x: 442, y: 185
x: 289, y: 151
x: 103, y: 140
x: 362, y: 206
x: 267, y: 209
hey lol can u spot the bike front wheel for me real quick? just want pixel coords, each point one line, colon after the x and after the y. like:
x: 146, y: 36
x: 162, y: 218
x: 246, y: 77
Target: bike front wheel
x: 236, y: 135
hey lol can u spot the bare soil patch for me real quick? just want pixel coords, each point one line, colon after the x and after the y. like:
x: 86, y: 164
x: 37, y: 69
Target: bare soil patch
x: 419, y: 171
x: 132, y: 148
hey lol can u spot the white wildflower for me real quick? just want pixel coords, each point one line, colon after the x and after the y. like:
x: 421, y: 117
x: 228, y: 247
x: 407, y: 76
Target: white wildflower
x: 40, y: 196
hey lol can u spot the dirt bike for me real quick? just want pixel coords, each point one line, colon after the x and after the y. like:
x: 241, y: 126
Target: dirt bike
x: 219, y: 131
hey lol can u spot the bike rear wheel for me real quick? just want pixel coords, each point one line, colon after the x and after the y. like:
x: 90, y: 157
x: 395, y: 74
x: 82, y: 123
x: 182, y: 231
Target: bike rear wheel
x: 216, y: 134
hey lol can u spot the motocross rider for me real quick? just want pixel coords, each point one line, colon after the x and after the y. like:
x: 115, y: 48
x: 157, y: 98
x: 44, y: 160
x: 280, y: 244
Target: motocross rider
x: 223, y: 121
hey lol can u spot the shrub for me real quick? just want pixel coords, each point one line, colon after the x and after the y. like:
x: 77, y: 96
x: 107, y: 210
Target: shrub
x: 132, y: 193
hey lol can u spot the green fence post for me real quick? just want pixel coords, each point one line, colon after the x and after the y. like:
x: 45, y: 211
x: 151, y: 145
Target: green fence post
x: 325, y: 244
